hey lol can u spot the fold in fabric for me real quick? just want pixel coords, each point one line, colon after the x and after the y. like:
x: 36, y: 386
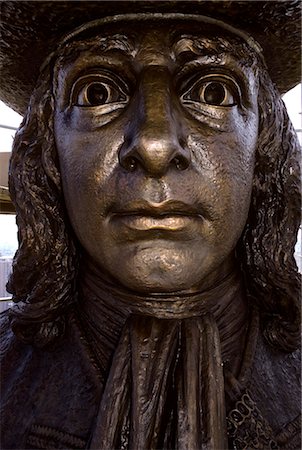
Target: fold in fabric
x: 165, y: 389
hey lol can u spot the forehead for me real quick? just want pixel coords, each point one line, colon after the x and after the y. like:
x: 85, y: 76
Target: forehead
x: 160, y: 41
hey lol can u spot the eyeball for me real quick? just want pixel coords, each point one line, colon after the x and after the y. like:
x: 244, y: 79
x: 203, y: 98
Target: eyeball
x: 95, y: 94
x: 213, y: 90
x: 97, y: 90
x: 216, y: 93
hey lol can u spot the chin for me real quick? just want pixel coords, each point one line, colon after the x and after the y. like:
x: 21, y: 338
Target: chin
x: 160, y: 272
x: 163, y: 266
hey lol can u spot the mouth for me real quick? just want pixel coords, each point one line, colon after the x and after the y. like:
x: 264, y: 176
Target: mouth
x: 171, y: 216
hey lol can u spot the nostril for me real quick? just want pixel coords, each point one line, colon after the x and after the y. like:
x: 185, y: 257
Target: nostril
x: 130, y: 163
x: 180, y: 162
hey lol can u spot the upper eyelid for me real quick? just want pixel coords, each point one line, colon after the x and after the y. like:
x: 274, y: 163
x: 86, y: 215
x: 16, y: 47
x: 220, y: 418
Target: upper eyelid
x: 202, y: 68
x: 98, y: 74
x: 215, y: 76
x: 126, y: 79
x: 195, y: 73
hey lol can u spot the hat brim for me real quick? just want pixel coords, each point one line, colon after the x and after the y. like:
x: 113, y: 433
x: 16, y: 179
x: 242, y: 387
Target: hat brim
x: 30, y: 30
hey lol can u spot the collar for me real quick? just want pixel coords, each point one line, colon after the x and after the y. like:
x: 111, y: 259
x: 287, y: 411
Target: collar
x: 105, y: 307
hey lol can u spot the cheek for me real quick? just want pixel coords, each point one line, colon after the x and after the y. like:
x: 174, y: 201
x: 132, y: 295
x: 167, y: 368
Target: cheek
x: 225, y: 163
x: 238, y: 172
x: 87, y: 158
x: 241, y: 161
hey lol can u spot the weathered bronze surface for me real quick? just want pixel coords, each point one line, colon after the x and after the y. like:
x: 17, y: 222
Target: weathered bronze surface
x: 156, y: 183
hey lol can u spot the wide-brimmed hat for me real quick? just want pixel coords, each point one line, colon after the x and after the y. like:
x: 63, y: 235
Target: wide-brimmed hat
x: 30, y: 30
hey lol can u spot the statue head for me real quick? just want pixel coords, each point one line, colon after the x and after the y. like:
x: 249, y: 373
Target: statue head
x: 159, y: 147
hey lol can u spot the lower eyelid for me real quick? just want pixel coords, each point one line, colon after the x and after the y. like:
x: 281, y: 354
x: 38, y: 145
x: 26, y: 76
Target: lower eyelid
x: 92, y: 118
x: 213, y: 111
x: 197, y: 102
x: 211, y: 119
x: 103, y: 109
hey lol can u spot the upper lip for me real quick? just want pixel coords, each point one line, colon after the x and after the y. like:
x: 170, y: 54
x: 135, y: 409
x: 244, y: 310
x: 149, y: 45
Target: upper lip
x: 170, y: 207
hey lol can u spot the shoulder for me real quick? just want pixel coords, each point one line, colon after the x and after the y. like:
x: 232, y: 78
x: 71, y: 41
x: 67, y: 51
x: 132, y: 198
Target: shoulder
x: 275, y: 385
x: 39, y: 387
x: 11, y: 350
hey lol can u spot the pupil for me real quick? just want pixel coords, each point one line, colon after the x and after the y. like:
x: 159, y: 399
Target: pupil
x: 97, y: 94
x: 214, y: 93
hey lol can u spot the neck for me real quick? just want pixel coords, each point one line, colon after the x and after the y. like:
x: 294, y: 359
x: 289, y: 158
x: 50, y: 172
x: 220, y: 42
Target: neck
x: 106, y: 307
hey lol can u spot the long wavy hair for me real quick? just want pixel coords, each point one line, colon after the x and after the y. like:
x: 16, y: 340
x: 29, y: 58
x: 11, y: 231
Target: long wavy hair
x: 44, y: 276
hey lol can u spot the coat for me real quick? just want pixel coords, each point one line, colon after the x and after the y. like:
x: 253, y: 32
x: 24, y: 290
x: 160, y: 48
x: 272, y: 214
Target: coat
x: 50, y: 399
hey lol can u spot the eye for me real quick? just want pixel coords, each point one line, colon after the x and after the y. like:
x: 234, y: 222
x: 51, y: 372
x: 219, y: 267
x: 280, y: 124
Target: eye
x: 98, y: 89
x: 214, y: 90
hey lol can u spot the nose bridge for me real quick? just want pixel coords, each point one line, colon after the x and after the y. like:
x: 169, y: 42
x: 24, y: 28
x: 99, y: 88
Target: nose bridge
x: 157, y: 121
x: 155, y: 140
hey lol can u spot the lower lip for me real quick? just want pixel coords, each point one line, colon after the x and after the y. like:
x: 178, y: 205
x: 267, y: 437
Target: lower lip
x: 167, y: 222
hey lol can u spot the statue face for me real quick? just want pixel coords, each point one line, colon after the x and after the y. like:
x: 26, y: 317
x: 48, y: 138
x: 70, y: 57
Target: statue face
x: 156, y: 134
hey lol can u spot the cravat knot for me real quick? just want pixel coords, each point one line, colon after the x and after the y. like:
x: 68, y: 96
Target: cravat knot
x: 165, y: 388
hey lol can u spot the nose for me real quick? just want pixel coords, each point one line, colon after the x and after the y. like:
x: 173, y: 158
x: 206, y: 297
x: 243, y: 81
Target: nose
x: 155, y: 141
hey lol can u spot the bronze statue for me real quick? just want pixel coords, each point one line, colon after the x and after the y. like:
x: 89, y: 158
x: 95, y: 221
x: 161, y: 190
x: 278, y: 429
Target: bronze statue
x: 156, y: 183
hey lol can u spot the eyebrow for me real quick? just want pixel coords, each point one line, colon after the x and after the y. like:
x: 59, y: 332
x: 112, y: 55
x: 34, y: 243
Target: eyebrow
x: 119, y: 42
x: 200, y: 46
x: 122, y: 43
